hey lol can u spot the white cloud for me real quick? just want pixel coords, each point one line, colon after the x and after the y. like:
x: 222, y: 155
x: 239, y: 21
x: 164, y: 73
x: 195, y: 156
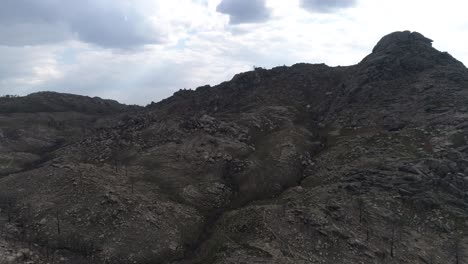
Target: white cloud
x: 23, y: 68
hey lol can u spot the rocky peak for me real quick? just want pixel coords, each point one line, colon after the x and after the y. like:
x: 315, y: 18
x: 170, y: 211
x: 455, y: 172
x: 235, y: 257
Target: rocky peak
x: 401, y: 39
x: 401, y: 53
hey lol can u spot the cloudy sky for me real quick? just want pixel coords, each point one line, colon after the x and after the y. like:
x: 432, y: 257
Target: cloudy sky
x: 138, y: 51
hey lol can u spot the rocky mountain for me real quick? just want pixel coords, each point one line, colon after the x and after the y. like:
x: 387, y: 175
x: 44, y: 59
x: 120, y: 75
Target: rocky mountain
x: 303, y: 164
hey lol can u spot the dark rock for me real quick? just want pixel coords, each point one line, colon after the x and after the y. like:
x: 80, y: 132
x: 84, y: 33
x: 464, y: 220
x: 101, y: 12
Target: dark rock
x: 409, y: 169
x: 412, y: 178
x: 439, y: 167
x: 401, y: 39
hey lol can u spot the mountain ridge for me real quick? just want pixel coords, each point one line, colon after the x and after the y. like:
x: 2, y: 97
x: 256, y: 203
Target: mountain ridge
x: 304, y: 164
x: 60, y: 102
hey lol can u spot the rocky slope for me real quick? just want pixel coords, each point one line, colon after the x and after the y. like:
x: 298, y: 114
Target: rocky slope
x: 303, y: 164
x: 34, y: 125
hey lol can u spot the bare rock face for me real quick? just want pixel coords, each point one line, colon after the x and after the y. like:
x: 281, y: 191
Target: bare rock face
x: 401, y: 40
x: 303, y: 164
x: 401, y: 54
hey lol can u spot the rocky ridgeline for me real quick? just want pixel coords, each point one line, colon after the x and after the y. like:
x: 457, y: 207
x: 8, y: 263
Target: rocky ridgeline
x: 303, y: 164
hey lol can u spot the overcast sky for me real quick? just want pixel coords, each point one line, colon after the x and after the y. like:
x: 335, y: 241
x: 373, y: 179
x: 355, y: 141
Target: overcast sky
x: 138, y: 51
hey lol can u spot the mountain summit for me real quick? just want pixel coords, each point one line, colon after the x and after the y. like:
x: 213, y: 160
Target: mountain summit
x: 304, y: 164
x: 401, y: 39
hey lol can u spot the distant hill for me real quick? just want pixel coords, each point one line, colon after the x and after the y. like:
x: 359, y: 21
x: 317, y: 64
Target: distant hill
x: 32, y: 126
x: 59, y: 102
